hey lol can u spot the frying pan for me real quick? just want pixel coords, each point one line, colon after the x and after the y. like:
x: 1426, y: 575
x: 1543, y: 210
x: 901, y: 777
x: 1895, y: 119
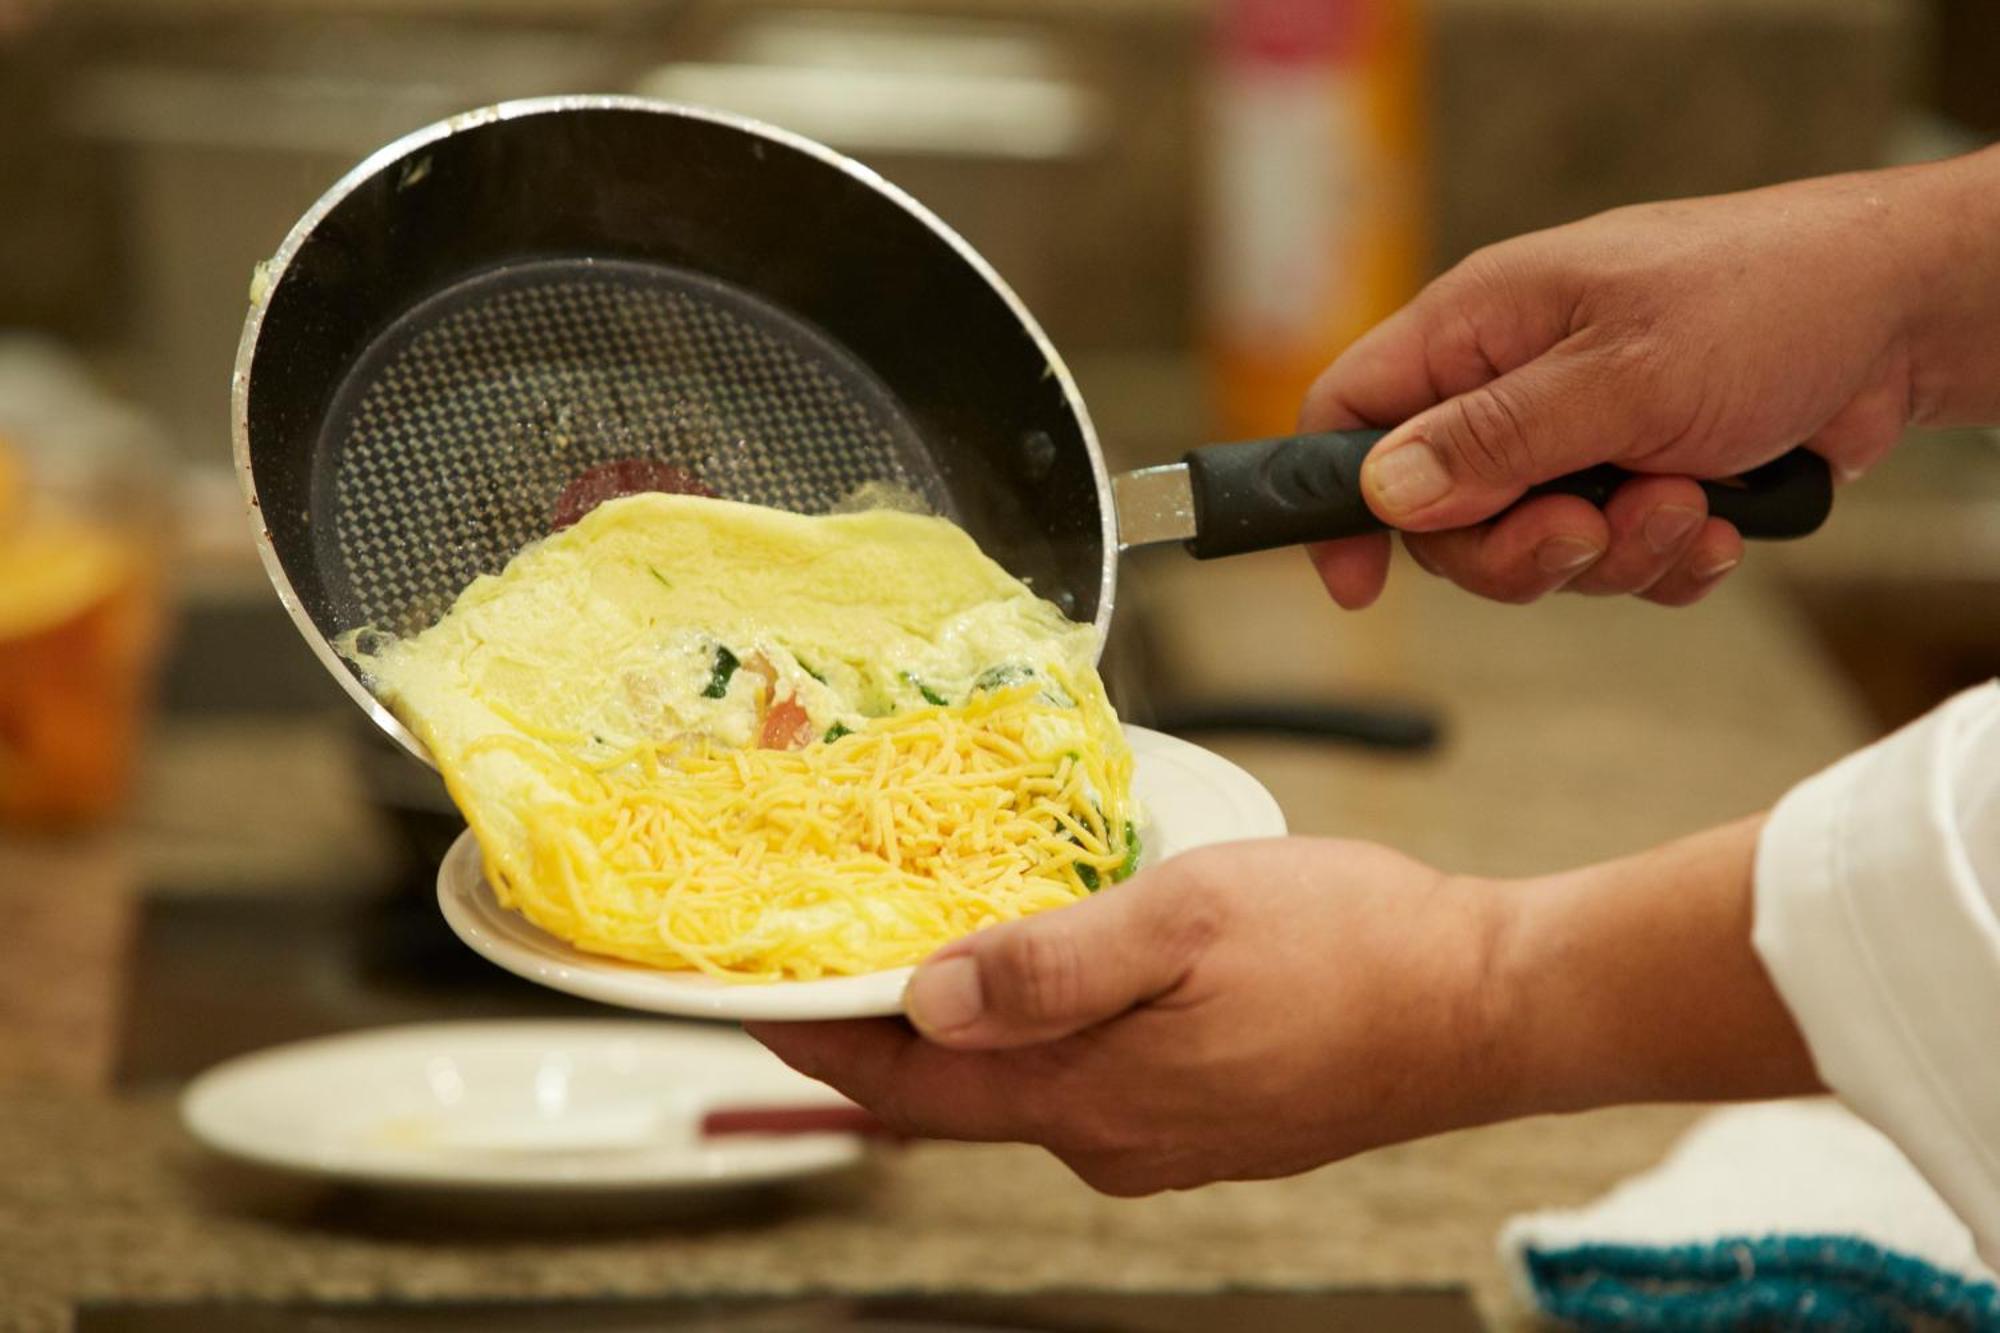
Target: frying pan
x: 495, y: 305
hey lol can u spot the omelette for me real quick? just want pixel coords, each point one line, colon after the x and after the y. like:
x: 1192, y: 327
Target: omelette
x: 696, y: 734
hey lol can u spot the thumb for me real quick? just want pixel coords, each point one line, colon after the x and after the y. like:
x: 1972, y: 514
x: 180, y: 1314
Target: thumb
x: 1054, y: 974
x: 1472, y: 455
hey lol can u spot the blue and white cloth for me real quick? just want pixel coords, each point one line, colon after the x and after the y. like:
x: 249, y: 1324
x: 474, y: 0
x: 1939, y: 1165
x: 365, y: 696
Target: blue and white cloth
x: 1786, y: 1215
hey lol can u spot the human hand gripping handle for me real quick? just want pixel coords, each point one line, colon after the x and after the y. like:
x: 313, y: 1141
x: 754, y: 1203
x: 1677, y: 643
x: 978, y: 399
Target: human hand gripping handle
x: 1683, y: 342
x: 1261, y: 494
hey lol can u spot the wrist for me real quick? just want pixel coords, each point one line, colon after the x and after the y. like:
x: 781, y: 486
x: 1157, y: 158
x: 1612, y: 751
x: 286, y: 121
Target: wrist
x: 1944, y: 224
x: 1501, y: 1071
x: 1636, y: 981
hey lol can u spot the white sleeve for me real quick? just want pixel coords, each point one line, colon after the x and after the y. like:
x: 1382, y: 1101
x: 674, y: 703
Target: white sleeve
x: 1878, y: 917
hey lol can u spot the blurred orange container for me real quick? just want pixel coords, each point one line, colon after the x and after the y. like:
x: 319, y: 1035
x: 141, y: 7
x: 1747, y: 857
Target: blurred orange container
x: 1316, y: 216
x: 80, y: 618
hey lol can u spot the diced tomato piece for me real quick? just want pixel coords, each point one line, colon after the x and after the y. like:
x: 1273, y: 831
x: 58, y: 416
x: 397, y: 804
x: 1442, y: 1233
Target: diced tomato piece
x: 786, y: 726
x: 626, y: 476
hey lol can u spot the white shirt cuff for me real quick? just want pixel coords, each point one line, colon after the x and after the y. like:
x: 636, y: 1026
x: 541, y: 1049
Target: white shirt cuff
x: 1878, y: 918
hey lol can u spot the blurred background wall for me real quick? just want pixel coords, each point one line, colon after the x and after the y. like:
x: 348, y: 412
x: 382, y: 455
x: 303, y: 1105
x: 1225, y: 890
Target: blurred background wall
x: 155, y: 149
x: 1130, y: 166
x: 162, y: 146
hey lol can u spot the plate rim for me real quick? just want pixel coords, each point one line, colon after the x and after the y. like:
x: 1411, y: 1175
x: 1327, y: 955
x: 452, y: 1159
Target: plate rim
x: 198, y: 1116
x: 631, y: 986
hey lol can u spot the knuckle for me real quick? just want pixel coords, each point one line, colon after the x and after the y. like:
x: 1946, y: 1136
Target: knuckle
x: 1113, y: 1174
x: 1053, y: 1101
x: 1590, y: 586
x: 1609, y: 579
x: 1036, y: 973
x: 1515, y: 583
x: 1088, y: 1131
x: 1483, y: 435
x: 1633, y: 364
x: 1487, y: 271
x: 1187, y: 922
x: 1034, y: 1118
x: 893, y: 1101
x: 1635, y: 349
x: 898, y: 1113
x: 1425, y: 551
x: 900, y: 1119
x: 1452, y: 554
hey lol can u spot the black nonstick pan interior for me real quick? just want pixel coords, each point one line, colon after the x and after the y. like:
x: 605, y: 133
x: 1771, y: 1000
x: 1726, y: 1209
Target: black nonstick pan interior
x: 491, y: 307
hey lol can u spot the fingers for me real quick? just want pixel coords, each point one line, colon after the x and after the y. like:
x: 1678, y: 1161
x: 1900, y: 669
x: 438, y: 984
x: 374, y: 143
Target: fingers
x: 1383, y: 378
x: 1354, y: 571
x: 1863, y: 431
x: 1530, y: 551
x: 1379, y: 380
x: 1654, y: 522
x: 1472, y: 455
x: 912, y: 1086
x: 1494, y: 394
x: 1057, y: 973
x: 855, y: 1057
x: 1493, y: 312
x: 1653, y: 539
x: 1715, y: 551
x: 1460, y: 331
x: 1486, y: 391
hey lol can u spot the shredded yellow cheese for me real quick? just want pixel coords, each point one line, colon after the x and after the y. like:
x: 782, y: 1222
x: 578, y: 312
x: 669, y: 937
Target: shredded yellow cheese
x: 696, y: 734
x: 848, y: 856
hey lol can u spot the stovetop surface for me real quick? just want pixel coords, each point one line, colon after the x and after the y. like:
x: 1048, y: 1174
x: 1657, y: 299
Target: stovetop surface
x: 1441, y: 1310
x: 215, y: 977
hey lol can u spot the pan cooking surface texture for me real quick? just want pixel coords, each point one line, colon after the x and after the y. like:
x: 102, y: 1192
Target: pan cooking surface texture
x: 459, y: 427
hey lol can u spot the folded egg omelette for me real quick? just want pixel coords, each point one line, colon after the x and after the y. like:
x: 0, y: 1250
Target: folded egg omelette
x: 696, y: 734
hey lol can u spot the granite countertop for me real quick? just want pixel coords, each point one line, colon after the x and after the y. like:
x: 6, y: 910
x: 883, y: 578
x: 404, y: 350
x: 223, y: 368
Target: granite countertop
x: 1578, y: 729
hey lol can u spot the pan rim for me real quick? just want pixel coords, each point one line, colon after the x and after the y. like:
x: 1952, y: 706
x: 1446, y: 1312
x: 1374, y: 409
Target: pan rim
x: 272, y: 273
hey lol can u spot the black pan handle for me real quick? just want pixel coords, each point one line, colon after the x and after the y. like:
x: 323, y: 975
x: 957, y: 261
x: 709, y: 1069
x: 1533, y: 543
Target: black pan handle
x: 1262, y: 494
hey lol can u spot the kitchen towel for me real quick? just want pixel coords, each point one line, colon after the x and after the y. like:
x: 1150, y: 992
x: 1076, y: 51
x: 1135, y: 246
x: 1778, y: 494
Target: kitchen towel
x: 1786, y: 1215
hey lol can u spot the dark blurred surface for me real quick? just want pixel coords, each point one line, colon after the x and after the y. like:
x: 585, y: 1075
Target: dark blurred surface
x: 1440, y: 1310
x: 61, y: 257
x: 299, y: 967
x: 244, y: 656
x: 1964, y: 62
x: 1548, y: 111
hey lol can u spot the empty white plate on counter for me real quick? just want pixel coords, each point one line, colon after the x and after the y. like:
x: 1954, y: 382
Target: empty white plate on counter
x: 577, y: 1106
x: 1191, y: 798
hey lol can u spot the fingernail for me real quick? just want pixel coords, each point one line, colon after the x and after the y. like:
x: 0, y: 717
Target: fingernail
x: 1406, y: 478
x: 1715, y: 569
x: 1670, y: 525
x: 945, y: 996
x: 1565, y: 555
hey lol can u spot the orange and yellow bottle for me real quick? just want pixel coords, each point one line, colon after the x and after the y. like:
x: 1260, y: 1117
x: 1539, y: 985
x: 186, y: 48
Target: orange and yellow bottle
x: 1315, y: 217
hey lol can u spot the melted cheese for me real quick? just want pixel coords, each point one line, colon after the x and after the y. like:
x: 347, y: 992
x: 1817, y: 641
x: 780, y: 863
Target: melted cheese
x: 861, y: 853
x: 574, y: 706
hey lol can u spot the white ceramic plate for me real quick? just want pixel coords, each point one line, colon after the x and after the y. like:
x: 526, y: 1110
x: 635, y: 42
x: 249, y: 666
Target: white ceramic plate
x: 586, y: 1107
x: 1191, y: 798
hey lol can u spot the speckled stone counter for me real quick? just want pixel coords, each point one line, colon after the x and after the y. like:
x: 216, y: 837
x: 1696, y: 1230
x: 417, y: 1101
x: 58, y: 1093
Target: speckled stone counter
x: 107, y: 1199
x: 1579, y: 729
